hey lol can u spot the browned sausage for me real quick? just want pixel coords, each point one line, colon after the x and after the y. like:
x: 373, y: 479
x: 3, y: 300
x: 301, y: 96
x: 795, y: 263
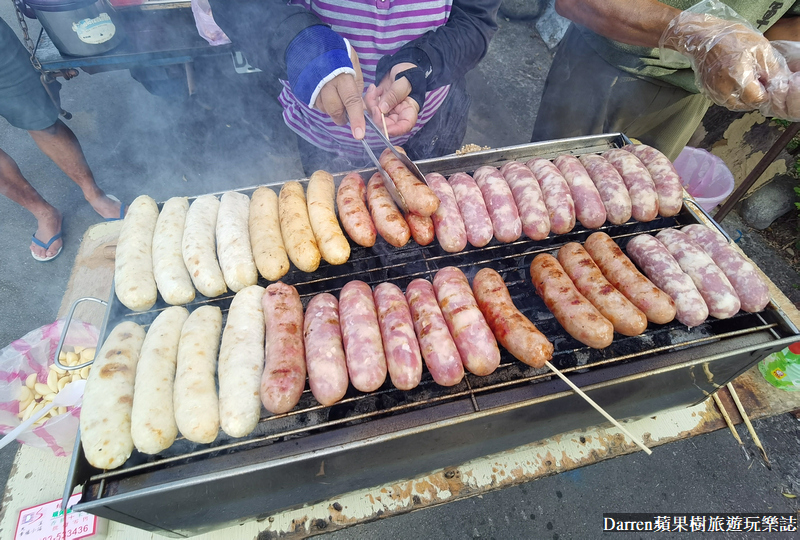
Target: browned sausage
x: 512, y: 329
x: 420, y: 199
x: 387, y: 218
x: 421, y: 228
x: 576, y: 314
x: 627, y: 319
x: 351, y: 199
x: 620, y: 271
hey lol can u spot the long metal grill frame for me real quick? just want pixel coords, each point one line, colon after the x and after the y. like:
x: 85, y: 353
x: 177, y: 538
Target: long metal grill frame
x: 385, y: 263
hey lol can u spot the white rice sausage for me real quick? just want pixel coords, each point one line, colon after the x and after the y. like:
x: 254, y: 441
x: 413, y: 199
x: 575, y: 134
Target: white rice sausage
x: 134, y: 282
x: 500, y: 203
x: 665, y: 177
x: 589, y: 207
x: 610, y: 186
x: 397, y: 331
x: 361, y: 335
x: 269, y: 252
x: 665, y: 272
x: 233, y: 241
x: 351, y: 198
x: 447, y: 221
x: 528, y: 198
x: 473, y: 210
x: 172, y: 277
x: 557, y: 197
x: 332, y: 243
x: 298, y: 237
x: 195, y: 392
x: 153, y: 426
x: 241, y: 362
x: 753, y: 292
x: 642, y: 189
x: 199, y: 249
x: 436, y: 344
x: 325, y: 360
x: 474, y: 339
x: 284, y: 374
x: 105, y: 419
x: 717, y: 291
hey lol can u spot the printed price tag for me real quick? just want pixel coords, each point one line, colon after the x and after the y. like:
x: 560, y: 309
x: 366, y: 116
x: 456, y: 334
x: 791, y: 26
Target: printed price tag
x: 46, y: 522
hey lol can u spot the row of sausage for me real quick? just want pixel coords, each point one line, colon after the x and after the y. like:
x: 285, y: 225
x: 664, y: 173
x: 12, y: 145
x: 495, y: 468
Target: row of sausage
x: 535, y: 198
x: 215, y: 245
x: 144, y: 388
x: 594, y: 290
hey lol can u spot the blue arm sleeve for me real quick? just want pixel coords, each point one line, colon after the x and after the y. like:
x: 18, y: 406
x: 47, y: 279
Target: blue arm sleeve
x: 315, y: 56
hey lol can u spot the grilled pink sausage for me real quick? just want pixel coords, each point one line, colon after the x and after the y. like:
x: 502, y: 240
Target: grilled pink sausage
x: 284, y: 374
x: 717, y: 291
x: 665, y: 177
x: 420, y: 199
x: 473, y: 337
x: 665, y: 272
x: 500, y: 204
x: 575, y: 313
x: 623, y: 275
x: 447, y: 221
x: 387, y: 218
x: 752, y: 290
x: 613, y: 192
x: 421, y: 228
x: 351, y: 198
x: 512, y: 329
x: 470, y: 202
x: 528, y: 197
x: 557, y: 198
x: 642, y: 189
x: 399, y: 342
x: 327, y: 368
x: 361, y: 335
x: 437, y: 345
x: 589, y: 207
x: 627, y: 319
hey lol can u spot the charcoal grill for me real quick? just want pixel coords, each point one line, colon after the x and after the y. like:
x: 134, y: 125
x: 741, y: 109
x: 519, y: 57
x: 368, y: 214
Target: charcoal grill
x: 314, y: 453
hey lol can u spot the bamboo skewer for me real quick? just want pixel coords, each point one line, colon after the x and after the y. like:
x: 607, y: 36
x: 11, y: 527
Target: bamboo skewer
x: 385, y: 131
x: 750, y: 428
x: 598, y: 408
x: 727, y: 418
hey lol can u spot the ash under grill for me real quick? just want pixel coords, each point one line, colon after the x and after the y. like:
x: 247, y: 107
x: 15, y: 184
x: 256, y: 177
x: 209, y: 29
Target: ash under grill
x: 285, y: 445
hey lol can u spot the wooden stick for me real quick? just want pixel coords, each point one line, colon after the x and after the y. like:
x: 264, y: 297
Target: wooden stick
x: 727, y: 418
x: 750, y: 428
x: 598, y: 408
x: 385, y: 131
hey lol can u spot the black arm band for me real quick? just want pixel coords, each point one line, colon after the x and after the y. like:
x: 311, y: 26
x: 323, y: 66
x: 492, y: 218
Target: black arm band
x: 419, y: 86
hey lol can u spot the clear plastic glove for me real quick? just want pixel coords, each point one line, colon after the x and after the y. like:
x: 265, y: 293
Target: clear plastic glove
x: 735, y: 65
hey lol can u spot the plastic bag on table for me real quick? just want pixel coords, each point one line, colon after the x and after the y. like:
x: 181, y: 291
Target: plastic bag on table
x: 206, y: 26
x: 34, y: 353
x: 734, y: 64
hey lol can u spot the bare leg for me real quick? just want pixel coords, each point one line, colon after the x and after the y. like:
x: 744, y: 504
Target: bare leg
x: 14, y: 186
x: 59, y: 143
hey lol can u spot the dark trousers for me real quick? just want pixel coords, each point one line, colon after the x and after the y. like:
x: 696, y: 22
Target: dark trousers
x: 442, y: 135
x: 585, y: 95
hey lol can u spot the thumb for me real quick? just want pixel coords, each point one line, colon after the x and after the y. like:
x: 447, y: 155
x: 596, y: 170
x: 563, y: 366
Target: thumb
x: 397, y: 92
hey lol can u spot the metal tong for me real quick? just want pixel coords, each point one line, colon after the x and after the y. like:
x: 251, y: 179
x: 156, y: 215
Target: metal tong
x: 387, y: 180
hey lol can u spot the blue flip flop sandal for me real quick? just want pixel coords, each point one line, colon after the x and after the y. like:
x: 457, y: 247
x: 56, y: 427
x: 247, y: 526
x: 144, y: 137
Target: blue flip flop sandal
x: 121, y: 209
x: 46, y: 247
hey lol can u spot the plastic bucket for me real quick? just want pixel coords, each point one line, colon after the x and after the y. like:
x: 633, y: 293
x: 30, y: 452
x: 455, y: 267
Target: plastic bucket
x: 704, y: 176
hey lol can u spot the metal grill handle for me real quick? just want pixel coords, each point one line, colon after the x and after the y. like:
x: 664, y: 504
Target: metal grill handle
x: 697, y: 206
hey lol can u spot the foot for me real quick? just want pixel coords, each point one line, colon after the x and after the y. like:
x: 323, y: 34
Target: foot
x: 105, y: 206
x: 49, y: 226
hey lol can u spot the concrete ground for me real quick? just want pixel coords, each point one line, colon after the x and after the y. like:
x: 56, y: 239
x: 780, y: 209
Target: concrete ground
x: 231, y: 135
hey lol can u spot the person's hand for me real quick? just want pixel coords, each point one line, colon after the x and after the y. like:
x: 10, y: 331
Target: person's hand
x: 391, y: 99
x: 340, y: 99
x: 734, y: 64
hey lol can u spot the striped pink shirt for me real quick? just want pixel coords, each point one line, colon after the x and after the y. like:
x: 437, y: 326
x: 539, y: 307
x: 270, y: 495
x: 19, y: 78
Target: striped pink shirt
x: 374, y: 28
